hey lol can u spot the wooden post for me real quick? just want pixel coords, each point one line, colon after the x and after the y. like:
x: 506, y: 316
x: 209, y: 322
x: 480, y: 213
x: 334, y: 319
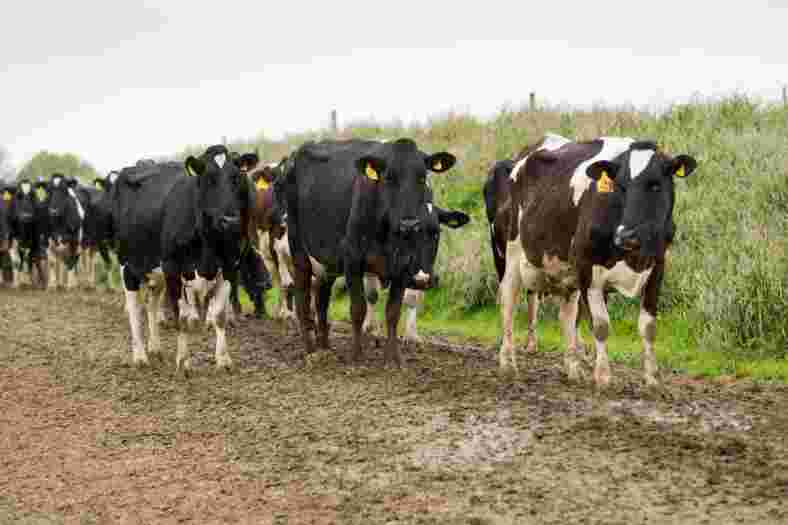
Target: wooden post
x: 532, y: 101
x: 334, y: 127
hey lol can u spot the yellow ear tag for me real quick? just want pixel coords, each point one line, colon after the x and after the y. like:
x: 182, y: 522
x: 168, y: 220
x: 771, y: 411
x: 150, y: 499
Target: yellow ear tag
x: 680, y: 171
x: 604, y: 184
x: 7, y: 196
x: 371, y: 173
x: 99, y: 186
x: 188, y: 170
x: 262, y: 184
x: 41, y: 193
x: 437, y: 166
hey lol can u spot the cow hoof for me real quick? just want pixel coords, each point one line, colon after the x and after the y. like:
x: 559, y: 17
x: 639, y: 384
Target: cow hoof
x: 532, y: 348
x: 602, y: 378
x: 225, y: 365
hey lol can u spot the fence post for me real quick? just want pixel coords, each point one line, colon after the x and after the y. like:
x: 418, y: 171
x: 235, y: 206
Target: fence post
x: 532, y: 101
x: 334, y: 127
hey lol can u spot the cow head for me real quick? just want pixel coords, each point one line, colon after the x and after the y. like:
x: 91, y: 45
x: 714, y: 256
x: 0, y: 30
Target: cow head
x: 6, y: 215
x: 428, y: 247
x: 220, y: 198
x: 399, y: 174
x: 246, y: 162
x: 640, y: 187
x: 66, y: 214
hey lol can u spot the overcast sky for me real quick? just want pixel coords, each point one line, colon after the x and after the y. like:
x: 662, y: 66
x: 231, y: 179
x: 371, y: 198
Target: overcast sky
x: 116, y: 81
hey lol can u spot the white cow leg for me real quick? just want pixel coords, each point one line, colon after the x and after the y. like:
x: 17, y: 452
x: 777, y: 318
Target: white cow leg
x: 568, y: 317
x: 72, y: 278
x: 155, y: 291
x: 371, y: 291
x: 134, y: 308
x: 533, y: 315
x: 601, y: 322
x: 218, y: 308
x: 647, y: 326
x: 286, y: 281
x: 509, y: 289
x: 413, y: 300
x: 52, y: 265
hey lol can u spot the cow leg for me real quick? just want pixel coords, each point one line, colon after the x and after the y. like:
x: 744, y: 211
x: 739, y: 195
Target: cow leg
x: 568, y: 318
x: 601, y: 327
x: 414, y: 300
x: 647, y: 325
x: 270, y: 262
x: 509, y: 291
x: 156, y: 285
x: 324, y: 286
x: 285, y: 263
x: 393, y: 312
x: 218, y: 311
x: 371, y: 292
x: 53, y: 269
x: 358, y: 309
x: 131, y: 287
x: 185, y: 300
x: 303, y: 289
x: 533, y: 316
x: 70, y: 275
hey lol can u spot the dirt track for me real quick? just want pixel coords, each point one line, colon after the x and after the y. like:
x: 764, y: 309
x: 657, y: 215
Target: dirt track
x: 86, y: 438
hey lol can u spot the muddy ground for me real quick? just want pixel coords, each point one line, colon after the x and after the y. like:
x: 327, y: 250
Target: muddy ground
x: 87, y: 438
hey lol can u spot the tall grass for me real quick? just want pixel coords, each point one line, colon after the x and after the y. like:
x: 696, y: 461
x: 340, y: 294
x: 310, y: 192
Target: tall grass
x: 728, y: 273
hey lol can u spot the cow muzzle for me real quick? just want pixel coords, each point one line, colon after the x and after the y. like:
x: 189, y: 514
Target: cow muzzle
x: 230, y: 223
x: 408, y: 227
x: 626, y: 238
x: 25, y: 217
x: 424, y: 281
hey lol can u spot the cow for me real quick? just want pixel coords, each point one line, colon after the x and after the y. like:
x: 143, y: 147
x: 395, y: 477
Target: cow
x: 66, y: 212
x: 96, y: 238
x: 356, y: 207
x: 178, y: 230
x: 591, y: 217
x: 7, y: 192
x: 413, y: 299
x: 30, y: 225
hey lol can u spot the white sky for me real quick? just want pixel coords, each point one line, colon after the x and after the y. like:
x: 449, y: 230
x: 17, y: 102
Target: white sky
x: 117, y: 81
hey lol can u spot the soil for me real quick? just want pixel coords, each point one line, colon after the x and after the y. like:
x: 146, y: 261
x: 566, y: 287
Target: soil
x: 85, y: 437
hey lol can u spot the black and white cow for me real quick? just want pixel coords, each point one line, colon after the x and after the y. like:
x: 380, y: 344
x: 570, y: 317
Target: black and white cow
x: 356, y: 207
x: 178, y: 226
x: 591, y: 217
x: 66, y: 212
x: 7, y: 192
x: 30, y: 225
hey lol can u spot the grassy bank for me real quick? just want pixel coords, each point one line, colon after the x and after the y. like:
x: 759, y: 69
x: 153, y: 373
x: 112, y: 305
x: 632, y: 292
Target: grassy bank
x: 724, y: 300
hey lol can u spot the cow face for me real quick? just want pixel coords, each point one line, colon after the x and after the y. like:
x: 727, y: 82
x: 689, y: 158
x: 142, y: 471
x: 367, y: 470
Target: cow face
x: 640, y: 184
x: 246, y: 162
x: 219, y: 196
x: 427, y: 250
x: 400, y: 178
x: 66, y: 214
x: 6, y: 214
x: 25, y: 209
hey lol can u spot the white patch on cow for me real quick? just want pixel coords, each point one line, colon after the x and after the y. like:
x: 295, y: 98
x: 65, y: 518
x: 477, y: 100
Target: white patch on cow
x: 272, y: 164
x: 638, y: 160
x: 429, y: 208
x: 421, y: 278
x: 621, y: 277
x: 112, y: 177
x: 646, y: 327
x: 26, y: 188
x: 612, y: 147
x: 412, y: 300
x: 551, y: 142
x: 220, y: 159
x: 56, y: 182
x: 601, y: 319
x: 80, y: 209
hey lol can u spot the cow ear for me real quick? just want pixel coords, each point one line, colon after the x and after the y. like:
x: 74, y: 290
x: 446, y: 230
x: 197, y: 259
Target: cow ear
x: 683, y: 166
x: 194, y: 166
x: 602, y: 168
x: 371, y: 167
x: 440, y: 162
x: 453, y: 218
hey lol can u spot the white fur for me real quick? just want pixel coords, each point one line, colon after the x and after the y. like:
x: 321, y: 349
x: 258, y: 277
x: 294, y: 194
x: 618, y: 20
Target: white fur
x: 421, y: 277
x: 56, y: 182
x: 26, y: 188
x: 220, y: 159
x: 600, y: 318
x: 622, y: 278
x: 217, y: 295
x: 611, y: 148
x: 429, y: 208
x: 551, y: 142
x: 638, y: 160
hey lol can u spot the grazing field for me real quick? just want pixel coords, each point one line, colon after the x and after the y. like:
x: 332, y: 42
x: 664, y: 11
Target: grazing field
x: 86, y: 438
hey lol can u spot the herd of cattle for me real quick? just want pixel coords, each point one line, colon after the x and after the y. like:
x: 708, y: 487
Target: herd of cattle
x: 568, y: 219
